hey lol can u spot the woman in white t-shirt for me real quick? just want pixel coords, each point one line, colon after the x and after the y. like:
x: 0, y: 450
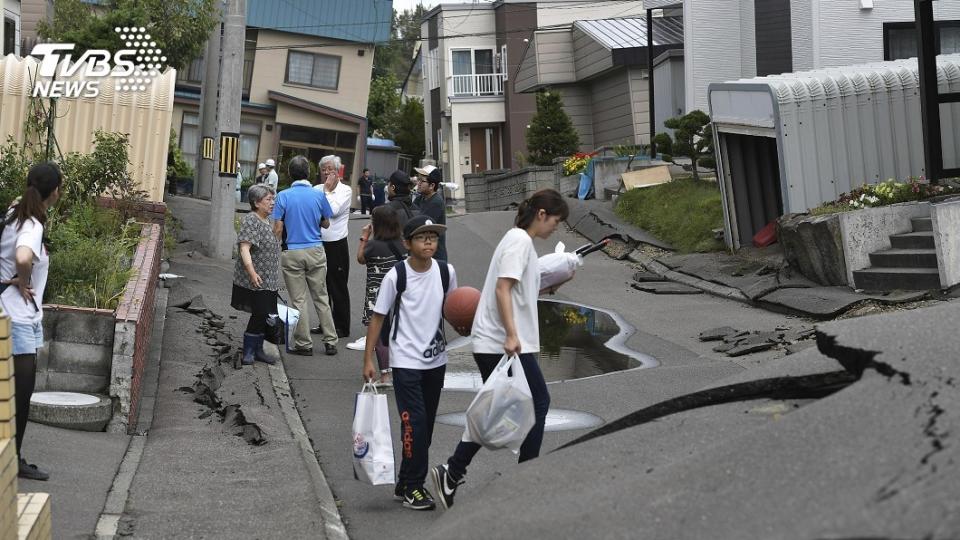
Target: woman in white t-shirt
x: 506, y: 322
x: 24, y: 263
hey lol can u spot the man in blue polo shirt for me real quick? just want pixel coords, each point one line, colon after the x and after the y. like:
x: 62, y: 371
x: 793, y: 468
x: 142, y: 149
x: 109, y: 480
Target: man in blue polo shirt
x: 302, y: 211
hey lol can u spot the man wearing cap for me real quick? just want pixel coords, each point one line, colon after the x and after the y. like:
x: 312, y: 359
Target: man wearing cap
x: 301, y: 211
x: 264, y: 171
x: 398, y: 193
x: 272, y: 178
x: 431, y: 203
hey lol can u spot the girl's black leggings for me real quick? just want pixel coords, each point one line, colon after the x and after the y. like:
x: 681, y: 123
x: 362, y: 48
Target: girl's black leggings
x: 25, y: 375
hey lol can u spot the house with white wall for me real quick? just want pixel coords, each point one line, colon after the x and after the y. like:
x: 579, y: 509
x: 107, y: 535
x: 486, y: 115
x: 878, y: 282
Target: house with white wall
x: 727, y: 40
x: 10, y: 29
x: 475, y: 120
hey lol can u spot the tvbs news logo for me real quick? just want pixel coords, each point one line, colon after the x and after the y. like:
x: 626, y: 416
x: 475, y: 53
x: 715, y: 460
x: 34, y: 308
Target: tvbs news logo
x: 134, y: 68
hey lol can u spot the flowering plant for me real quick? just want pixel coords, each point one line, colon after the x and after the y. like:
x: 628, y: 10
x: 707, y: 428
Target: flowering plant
x: 576, y: 163
x: 891, y: 192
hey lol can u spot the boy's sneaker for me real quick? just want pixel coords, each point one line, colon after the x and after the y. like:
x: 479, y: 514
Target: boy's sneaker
x: 445, y: 483
x: 398, y: 492
x: 358, y: 345
x: 418, y: 499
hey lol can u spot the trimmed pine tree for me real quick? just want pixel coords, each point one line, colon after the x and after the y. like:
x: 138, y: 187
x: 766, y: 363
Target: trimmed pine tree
x: 551, y: 133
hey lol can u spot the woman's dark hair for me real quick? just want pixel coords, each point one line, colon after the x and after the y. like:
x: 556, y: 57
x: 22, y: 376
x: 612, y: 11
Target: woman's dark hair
x: 386, y: 226
x: 42, y: 180
x: 546, y: 199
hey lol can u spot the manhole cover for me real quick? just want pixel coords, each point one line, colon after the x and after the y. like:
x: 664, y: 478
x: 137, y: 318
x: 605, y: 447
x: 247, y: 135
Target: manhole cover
x: 557, y: 420
x: 63, y: 398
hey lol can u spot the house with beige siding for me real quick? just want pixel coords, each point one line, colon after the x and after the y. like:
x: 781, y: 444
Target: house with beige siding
x: 475, y: 118
x: 605, y: 88
x: 306, y: 82
x: 726, y: 40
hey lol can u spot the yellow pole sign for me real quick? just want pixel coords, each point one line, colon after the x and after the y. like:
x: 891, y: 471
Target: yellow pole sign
x: 229, y: 153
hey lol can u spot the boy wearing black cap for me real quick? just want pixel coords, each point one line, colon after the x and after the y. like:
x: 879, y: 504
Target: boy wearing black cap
x: 398, y: 193
x: 412, y: 295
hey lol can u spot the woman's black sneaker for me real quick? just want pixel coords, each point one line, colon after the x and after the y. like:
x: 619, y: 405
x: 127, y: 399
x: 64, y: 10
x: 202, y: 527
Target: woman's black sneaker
x: 418, y: 499
x: 31, y: 472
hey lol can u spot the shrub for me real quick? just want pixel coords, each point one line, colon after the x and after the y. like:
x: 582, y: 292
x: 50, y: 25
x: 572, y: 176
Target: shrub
x: 551, y: 133
x: 90, y: 254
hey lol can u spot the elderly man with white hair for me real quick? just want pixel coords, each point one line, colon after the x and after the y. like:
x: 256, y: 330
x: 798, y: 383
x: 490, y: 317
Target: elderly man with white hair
x: 339, y: 195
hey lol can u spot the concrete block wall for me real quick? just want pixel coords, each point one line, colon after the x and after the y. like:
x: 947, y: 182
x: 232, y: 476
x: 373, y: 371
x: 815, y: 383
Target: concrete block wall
x: 134, y: 321
x: 78, y: 350
x: 144, y: 211
x: 945, y: 217
x: 499, y: 190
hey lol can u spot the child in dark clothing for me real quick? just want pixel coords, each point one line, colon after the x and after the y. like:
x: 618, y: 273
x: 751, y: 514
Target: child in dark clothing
x: 379, y: 254
x: 418, y: 355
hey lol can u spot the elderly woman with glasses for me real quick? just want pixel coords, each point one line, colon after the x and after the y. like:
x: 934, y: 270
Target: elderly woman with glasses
x: 256, y: 277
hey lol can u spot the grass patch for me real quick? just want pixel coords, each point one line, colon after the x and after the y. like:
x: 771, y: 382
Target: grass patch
x: 682, y: 213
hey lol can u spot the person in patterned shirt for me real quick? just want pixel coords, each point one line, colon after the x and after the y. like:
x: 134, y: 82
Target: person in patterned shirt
x: 256, y: 277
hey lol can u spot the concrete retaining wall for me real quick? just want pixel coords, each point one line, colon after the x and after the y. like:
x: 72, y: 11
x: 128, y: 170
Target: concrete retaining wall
x: 134, y: 321
x: 498, y: 190
x: 946, y: 235
x: 78, y: 351
x: 866, y: 231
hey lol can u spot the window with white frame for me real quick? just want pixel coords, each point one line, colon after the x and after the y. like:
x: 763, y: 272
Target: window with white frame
x: 312, y: 69
x: 190, y: 137
x: 249, y: 147
x: 504, y: 65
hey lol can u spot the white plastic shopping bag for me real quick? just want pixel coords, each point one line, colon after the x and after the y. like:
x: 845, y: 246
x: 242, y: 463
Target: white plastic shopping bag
x: 558, y: 267
x: 501, y: 414
x: 290, y: 317
x: 372, y: 443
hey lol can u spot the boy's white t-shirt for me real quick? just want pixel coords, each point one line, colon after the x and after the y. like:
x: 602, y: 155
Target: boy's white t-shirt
x: 514, y: 258
x: 420, y: 343
x: 31, y: 236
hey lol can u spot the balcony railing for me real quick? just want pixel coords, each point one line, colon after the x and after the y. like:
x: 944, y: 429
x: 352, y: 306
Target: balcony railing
x: 476, y: 85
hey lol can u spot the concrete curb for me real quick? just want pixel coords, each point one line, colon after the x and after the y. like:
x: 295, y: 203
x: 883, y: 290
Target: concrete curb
x: 116, y: 502
x: 713, y: 288
x: 332, y: 523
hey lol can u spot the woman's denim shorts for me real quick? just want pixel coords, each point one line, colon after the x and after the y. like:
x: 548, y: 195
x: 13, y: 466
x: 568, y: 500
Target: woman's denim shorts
x: 26, y: 337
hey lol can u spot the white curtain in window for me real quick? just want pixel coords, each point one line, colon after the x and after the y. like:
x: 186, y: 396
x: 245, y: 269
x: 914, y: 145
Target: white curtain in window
x: 949, y: 40
x: 326, y: 71
x: 902, y: 43
x: 299, y: 67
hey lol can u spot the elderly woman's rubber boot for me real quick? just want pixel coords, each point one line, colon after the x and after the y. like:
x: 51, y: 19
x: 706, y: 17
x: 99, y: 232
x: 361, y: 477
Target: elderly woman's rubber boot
x: 250, y: 348
x: 260, y: 354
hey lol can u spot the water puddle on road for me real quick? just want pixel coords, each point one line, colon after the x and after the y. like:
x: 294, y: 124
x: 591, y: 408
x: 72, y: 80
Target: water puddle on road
x: 576, y: 342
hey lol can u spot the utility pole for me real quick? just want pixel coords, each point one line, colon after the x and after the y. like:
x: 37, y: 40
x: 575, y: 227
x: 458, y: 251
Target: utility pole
x: 223, y: 180
x: 208, y: 112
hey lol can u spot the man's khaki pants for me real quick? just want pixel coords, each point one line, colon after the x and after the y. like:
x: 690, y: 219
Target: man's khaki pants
x: 305, y: 270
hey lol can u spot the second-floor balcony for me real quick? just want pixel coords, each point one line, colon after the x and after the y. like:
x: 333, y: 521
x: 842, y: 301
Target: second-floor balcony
x: 476, y: 85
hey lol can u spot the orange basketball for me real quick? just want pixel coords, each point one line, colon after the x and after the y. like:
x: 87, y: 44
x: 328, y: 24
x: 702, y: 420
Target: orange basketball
x: 460, y: 307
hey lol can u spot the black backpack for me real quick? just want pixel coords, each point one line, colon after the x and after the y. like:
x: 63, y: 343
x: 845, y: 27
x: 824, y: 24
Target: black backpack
x: 392, y: 320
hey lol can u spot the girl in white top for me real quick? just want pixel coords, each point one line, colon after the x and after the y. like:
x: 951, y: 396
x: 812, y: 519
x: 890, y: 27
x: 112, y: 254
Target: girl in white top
x: 506, y: 322
x: 24, y: 264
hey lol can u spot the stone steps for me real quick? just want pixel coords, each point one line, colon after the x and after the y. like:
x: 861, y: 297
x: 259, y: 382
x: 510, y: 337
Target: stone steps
x: 912, y: 240
x: 904, y: 279
x: 909, y: 265
x: 922, y: 224
x: 904, y: 258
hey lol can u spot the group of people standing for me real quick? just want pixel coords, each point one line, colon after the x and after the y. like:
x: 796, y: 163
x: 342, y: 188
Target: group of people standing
x: 404, y: 251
